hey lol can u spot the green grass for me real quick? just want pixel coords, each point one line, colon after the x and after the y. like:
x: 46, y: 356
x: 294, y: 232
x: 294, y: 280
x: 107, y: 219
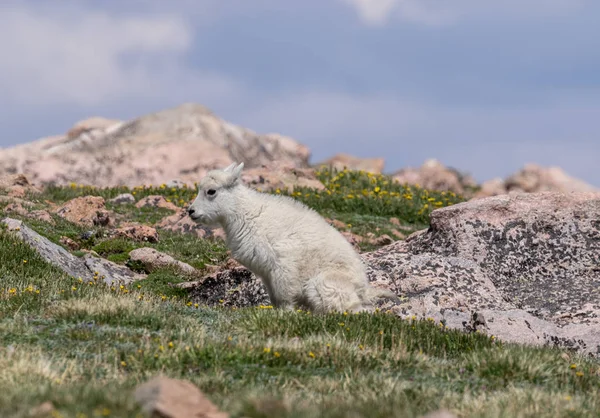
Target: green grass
x: 86, y: 347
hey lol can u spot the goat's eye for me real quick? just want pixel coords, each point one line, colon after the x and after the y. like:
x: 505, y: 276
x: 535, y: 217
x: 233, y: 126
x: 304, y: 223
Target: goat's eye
x: 211, y: 192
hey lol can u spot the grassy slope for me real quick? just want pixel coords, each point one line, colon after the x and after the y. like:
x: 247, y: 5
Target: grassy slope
x: 85, y: 347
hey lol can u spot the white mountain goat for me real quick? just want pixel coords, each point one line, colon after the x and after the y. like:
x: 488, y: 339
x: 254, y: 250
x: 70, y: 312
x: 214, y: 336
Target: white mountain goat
x: 301, y: 259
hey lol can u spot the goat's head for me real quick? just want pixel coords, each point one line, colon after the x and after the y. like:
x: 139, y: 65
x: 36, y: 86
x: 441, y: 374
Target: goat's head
x: 215, y: 198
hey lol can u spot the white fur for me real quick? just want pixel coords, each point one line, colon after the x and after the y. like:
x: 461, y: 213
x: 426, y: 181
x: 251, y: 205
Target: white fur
x: 301, y: 259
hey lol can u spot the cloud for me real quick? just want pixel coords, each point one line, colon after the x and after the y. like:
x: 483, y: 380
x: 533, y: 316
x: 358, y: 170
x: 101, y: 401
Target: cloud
x: 484, y: 142
x: 77, y: 56
x: 440, y: 13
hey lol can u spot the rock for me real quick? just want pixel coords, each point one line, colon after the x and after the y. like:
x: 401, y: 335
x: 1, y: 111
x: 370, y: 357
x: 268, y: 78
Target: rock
x: 173, y: 398
x: 527, y: 263
x: 141, y: 233
x: 440, y: 413
x: 398, y: 234
x: 92, y: 127
x: 381, y: 240
x: 16, y: 185
x: 111, y: 273
x: 278, y: 176
x: 122, y: 199
x: 433, y: 175
x: 182, y: 143
x: 235, y: 286
x: 42, y: 215
x: 17, y: 191
x: 77, y: 267
x: 16, y: 208
x: 69, y: 243
x: 45, y: 409
x: 353, y: 239
x: 152, y: 260
x: 491, y: 187
x: 534, y: 178
x: 156, y: 201
x: 10, y: 180
x: 176, y: 183
x: 180, y: 222
x: 85, y: 211
x: 338, y: 224
x: 341, y: 161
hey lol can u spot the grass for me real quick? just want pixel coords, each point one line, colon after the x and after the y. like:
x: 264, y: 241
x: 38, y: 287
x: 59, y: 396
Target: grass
x: 85, y: 347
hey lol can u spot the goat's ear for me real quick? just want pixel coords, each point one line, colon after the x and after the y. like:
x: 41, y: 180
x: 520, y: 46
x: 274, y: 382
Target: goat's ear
x: 229, y: 168
x: 238, y: 170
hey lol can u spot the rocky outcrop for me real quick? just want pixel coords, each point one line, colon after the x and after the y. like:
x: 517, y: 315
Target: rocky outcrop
x: 534, y: 178
x: 178, y: 143
x: 341, y: 161
x: 527, y: 263
x: 87, y: 267
x: 433, y: 175
x: 523, y: 267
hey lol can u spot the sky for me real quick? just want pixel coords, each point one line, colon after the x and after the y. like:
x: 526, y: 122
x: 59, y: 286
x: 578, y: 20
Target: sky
x: 483, y: 86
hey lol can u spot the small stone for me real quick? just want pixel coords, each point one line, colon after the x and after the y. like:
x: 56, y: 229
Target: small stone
x: 42, y: 410
x: 398, y: 234
x: 123, y: 199
x: 156, y: 201
x: 141, y: 233
x: 16, y: 191
x: 440, y: 413
x: 42, y: 215
x: 175, y: 183
x: 338, y: 224
x: 173, y: 398
x: 152, y: 260
x: 353, y: 239
x: 69, y: 243
x: 16, y: 208
x: 381, y: 240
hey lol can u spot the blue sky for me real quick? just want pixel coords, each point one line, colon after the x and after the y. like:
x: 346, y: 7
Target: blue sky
x: 484, y: 86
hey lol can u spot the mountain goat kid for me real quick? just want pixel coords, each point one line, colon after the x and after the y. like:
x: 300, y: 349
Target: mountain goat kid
x: 301, y: 259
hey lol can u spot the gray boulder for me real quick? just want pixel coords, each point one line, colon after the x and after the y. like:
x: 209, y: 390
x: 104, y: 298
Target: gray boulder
x: 78, y: 267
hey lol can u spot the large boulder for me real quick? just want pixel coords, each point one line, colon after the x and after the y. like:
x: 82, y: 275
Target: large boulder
x: 528, y: 264
x: 178, y: 143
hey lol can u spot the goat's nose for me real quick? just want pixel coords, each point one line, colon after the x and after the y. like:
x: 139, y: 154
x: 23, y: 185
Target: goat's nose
x: 190, y: 211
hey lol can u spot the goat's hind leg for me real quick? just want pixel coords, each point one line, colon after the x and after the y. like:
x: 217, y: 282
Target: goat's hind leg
x: 332, y: 292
